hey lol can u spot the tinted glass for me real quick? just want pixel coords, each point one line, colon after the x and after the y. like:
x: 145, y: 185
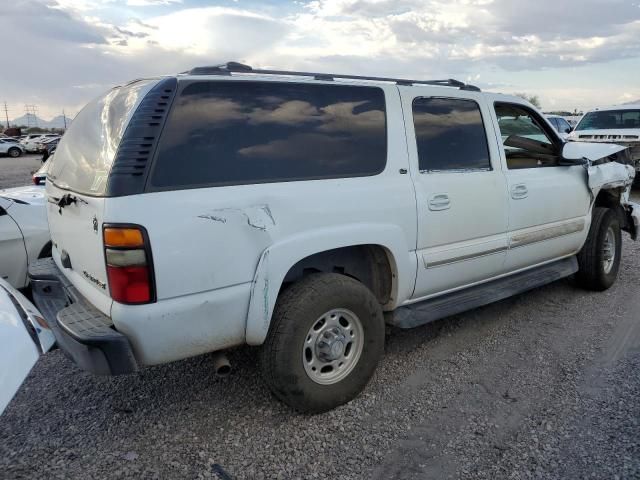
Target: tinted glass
x: 563, y: 125
x: 450, y: 134
x: 85, y: 154
x: 613, y: 119
x: 225, y: 133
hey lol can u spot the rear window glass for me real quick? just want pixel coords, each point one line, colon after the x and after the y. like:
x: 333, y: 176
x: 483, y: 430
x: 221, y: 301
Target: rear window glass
x: 610, y: 119
x: 226, y: 133
x: 86, y: 151
x: 450, y: 134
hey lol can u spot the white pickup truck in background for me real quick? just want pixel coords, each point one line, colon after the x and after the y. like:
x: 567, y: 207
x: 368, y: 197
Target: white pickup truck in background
x: 618, y: 125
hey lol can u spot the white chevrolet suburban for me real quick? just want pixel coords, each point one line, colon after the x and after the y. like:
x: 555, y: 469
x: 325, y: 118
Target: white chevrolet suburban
x: 300, y: 211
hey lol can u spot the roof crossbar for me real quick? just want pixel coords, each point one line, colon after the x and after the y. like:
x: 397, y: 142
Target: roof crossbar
x: 235, y: 67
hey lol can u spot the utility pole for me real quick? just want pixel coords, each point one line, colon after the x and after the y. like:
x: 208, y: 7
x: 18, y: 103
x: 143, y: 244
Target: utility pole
x: 64, y: 119
x: 6, y: 113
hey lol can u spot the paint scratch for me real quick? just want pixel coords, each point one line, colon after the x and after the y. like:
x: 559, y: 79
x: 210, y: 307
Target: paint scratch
x: 214, y: 218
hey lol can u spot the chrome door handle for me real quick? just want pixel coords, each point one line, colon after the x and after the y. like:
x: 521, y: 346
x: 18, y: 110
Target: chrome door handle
x: 519, y: 191
x: 439, y: 201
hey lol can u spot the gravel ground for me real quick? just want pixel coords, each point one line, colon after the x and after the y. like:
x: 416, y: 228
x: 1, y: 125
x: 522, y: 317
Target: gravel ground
x: 542, y: 385
x: 15, y: 172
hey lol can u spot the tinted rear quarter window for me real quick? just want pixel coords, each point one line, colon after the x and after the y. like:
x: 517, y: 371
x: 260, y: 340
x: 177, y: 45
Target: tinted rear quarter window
x: 244, y: 132
x: 450, y: 134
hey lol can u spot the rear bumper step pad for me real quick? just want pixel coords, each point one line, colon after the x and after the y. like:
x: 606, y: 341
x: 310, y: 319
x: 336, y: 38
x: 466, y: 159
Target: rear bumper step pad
x: 85, y: 334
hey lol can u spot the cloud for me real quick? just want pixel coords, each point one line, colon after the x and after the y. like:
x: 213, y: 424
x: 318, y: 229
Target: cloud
x: 151, y: 3
x: 87, y: 42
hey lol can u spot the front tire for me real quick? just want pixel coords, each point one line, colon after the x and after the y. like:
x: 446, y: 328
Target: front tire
x: 15, y: 152
x: 599, y: 259
x: 324, y: 343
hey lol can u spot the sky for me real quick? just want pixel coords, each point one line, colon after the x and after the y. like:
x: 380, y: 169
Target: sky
x: 573, y: 54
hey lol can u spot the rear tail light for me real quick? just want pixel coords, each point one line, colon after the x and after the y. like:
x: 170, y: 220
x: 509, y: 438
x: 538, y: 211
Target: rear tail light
x: 129, y: 264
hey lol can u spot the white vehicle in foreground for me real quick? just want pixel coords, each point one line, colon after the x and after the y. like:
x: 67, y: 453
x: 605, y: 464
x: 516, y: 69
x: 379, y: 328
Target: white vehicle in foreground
x: 618, y: 124
x: 24, y: 335
x: 24, y: 232
x: 300, y: 211
x: 11, y: 148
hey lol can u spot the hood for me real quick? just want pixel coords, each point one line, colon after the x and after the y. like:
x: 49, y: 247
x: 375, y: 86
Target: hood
x: 31, y: 194
x: 608, y: 135
x: 590, y: 151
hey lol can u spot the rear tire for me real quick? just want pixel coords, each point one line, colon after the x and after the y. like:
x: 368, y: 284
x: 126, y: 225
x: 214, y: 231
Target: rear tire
x: 599, y: 259
x: 14, y: 152
x: 324, y: 343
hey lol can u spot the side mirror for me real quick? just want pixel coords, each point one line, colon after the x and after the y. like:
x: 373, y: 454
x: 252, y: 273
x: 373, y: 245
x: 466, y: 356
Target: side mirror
x: 568, y: 130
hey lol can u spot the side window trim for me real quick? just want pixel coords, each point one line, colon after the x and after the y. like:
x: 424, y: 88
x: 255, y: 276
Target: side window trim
x: 453, y: 170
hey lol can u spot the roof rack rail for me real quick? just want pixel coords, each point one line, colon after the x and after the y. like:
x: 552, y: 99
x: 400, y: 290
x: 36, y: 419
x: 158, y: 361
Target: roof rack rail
x: 235, y: 67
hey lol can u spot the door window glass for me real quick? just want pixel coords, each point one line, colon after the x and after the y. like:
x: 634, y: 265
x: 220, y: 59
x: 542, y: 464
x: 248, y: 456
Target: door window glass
x: 450, y: 135
x: 527, y: 142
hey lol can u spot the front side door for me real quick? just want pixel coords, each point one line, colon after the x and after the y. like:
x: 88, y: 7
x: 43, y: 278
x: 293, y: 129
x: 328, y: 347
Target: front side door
x: 460, y: 191
x: 548, y: 202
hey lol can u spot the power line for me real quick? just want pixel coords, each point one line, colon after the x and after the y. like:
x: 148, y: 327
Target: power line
x: 32, y: 115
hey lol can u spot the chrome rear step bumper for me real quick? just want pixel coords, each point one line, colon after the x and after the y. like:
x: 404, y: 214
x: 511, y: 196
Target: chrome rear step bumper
x: 85, y: 334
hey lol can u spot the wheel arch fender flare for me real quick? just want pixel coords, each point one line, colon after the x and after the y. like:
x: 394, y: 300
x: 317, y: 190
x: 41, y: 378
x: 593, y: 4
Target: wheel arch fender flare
x: 276, y: 261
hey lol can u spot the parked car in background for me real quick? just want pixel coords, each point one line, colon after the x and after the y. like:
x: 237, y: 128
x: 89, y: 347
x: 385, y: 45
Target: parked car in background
x: 40, y: 176
x: 560, y: 124
x: 31, y: 144
x: 24, y: 232
x: 47, y: 147
x: 9, y: 146
x: 24, y: 336
x: 305, y: 211
x: 617, y: 124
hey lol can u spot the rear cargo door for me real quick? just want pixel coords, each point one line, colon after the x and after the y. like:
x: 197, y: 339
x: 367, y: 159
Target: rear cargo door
x: 77, y: 186
x: 76, y: 235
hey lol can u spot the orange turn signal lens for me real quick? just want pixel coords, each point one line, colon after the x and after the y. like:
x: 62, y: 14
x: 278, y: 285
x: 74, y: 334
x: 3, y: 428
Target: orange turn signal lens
x: 123, y: 237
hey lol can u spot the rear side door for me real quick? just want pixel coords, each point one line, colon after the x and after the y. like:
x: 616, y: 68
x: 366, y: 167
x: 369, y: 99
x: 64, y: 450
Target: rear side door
x: 548, y: 202
x: 460, y: 189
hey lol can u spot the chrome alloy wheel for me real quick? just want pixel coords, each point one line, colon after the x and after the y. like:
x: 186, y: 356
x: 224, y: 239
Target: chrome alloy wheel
x: 609, y: 250
x: 333, y: 346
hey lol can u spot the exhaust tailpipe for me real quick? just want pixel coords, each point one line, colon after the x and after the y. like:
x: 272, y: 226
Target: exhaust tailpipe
x: 221, y: 364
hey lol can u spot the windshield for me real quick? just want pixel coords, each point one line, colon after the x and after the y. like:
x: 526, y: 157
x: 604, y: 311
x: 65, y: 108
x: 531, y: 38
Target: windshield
x: 610, y: 119
x: 86, y: 152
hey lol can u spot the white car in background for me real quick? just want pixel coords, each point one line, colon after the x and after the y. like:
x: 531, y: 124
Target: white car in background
x: 24, y: 232
x: 24, y: 336
x: 617, y: 124
x: 31, y: 144
x: 563, y: 127
x: 10, y: 147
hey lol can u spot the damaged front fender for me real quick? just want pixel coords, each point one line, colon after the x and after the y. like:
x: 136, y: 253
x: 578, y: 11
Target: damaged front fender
x: 614, y: 177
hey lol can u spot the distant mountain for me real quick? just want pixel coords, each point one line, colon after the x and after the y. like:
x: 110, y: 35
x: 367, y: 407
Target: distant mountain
x: 55, y: 122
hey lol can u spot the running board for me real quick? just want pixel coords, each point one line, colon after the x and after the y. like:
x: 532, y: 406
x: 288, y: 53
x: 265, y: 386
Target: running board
x: 410, y: 316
